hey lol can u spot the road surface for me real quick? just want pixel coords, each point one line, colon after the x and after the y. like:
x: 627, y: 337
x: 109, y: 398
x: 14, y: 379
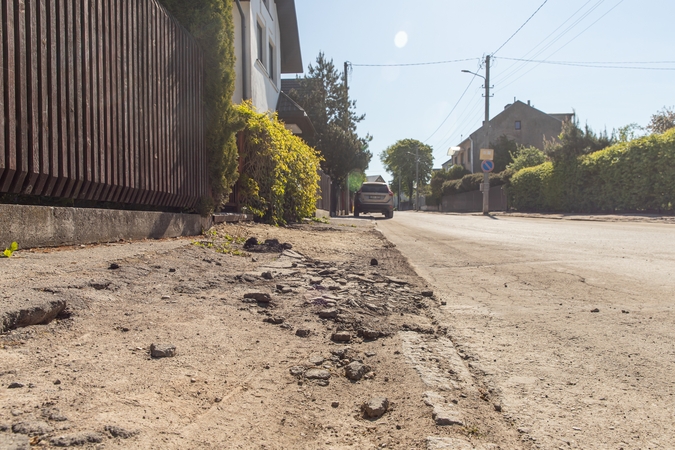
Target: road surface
x: 570, y: 324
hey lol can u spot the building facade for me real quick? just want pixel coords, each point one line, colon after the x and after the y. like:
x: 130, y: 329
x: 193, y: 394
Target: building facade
x: 519, y: 122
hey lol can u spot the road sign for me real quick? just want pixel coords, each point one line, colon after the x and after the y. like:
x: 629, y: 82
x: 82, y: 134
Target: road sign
x: 487, y: 165
x: 487, y: 154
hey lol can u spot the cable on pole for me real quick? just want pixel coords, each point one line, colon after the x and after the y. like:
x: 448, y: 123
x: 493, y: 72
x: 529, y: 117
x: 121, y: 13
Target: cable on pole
x: 520, y: 28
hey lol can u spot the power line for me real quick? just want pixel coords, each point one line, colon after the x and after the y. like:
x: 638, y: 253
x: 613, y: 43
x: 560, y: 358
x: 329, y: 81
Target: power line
x: 416, y: 64
x: 513, y: 69
x: 452, y: 110
x: 567, y: 43
x: 598, y: 65
x: 521, y: 27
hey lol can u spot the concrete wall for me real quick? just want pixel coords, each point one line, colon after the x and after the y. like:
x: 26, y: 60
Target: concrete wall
x: 44, y: 226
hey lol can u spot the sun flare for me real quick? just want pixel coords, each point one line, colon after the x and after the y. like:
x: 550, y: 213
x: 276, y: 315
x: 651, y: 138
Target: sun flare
x: 401, y: 39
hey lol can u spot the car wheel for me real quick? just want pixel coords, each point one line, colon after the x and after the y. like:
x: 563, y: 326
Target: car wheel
x: 391, y: 214
x: 356, y: 213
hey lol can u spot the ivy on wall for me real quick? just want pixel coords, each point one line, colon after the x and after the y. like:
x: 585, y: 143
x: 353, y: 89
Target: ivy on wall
x: 211, y: 23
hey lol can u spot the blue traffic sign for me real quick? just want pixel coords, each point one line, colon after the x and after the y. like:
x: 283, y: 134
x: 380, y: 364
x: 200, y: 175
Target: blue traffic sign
x: 487, y: 166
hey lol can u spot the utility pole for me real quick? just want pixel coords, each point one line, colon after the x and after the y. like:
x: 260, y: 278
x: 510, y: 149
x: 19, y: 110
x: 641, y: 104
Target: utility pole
x: 346, y: 123
x: 485, y: 187
x: 398, y: 194
x: 417, y: 178
x: 486, y: 176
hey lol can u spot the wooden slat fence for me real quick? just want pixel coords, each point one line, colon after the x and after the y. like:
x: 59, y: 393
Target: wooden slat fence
x: 101, y: 100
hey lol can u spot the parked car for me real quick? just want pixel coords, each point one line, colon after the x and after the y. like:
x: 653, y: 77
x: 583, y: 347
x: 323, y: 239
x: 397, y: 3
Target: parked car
x: 374, y: 197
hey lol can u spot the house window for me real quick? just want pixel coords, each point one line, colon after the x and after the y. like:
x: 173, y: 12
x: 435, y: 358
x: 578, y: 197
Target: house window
x: 517, y: 124
x: 270, y: 68
x: 260, y: 43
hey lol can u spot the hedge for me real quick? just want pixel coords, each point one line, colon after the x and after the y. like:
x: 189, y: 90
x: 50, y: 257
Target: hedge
x: 630, y: 176
x: 471, y: 182
x: 279, y: 177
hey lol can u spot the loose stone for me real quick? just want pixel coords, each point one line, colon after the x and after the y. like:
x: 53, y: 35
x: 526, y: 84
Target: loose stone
x: 317, y: 374
x: 331, y: 313
x: 71, y: 440
x: 162, y: 350
x: 375, y: 407
x: 356, y: 370
x: 119, y: 432
x: 261, y: 297
x: 341, y: 336
x: 275, y: 320
x: 443, y: 416
x: 302, y: 333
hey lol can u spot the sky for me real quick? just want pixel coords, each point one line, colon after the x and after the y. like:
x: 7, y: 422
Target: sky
x: 439, y: 105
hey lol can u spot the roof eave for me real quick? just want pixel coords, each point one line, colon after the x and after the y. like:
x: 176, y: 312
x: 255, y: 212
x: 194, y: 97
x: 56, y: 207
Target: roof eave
x: 291, y: 55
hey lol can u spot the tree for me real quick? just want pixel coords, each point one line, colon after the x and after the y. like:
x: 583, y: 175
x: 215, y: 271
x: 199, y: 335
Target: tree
x: 504, y: 148
x: 662, y: 121
x: 356, y: 179
x: 325, y: 97
x: 399, y: 160
x: 526, y: 157
x: 574, y: 141
x: 629, y: 132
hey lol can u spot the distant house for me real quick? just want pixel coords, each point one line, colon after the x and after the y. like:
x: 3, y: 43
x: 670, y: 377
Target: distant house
x: 520, y: 122
x: 375, y: 179
x: 267, y: 45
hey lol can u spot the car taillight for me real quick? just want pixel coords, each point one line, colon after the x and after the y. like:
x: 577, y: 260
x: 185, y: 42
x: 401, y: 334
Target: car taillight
x: 391, y: 193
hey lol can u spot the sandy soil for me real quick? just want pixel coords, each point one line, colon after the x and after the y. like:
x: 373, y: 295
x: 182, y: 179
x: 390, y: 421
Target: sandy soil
x: 241, y: 376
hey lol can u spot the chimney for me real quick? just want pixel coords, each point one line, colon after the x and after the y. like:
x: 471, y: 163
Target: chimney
x: 528, y: 103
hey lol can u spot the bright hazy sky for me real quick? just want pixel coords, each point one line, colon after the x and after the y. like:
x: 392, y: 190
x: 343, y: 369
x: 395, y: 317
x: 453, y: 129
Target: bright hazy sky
x: 414, y: 101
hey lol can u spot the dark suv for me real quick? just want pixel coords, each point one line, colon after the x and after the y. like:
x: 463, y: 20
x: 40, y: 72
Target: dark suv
x: 374, y: 197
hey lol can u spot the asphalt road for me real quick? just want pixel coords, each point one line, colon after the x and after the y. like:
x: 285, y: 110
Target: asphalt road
x: 520, y: 298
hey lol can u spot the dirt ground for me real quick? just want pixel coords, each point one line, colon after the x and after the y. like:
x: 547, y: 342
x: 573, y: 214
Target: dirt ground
x: 261, y: 373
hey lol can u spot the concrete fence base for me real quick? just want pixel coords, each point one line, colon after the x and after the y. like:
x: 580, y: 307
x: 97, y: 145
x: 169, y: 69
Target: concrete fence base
x: 45, y: 226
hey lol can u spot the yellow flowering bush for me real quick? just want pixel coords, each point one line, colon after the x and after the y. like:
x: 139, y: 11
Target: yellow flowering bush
x: 278, y: 171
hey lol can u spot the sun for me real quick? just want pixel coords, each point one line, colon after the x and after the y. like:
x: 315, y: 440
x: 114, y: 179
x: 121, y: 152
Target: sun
x: 401, y: 39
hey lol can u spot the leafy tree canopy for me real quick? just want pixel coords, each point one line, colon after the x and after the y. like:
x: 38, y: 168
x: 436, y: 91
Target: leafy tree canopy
x: 662, y: 121
x: 526, y: 157
x: 504, y: 148
x: 575, y: 141
x: 400, y: 161
x: 325, y: 98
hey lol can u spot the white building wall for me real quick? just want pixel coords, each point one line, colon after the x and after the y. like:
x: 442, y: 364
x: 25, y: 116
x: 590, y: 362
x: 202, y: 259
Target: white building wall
x: 238, y: 95
x: 264, y: 88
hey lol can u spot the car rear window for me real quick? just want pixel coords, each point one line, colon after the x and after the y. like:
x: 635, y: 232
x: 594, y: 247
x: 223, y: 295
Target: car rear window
x: 379, y: 188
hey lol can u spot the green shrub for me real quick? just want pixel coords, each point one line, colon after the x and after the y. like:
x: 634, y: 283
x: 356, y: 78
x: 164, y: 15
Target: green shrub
x: 527, y: 157
x: 470, y: 183
x: 279, y: 177
x: 630, y: 176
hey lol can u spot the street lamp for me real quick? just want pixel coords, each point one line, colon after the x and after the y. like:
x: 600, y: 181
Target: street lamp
x: 486, y: 177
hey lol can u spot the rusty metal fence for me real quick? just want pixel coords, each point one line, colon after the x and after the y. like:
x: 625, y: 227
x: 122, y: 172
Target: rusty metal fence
x: 100, y: 100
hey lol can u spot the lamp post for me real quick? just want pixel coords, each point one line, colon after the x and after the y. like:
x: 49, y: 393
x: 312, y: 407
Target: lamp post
x: 486, y: 177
